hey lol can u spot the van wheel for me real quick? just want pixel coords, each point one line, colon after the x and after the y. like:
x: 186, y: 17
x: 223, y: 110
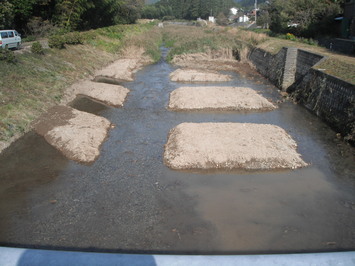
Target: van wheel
x: 6, y: 46
x: 18, y: 46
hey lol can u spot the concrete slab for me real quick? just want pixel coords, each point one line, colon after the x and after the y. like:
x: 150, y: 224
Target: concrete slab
x: 231, y: 146
x: 78, y: 135
x: 195, y: 75
x: 113, y: 95
x: 218, y: 98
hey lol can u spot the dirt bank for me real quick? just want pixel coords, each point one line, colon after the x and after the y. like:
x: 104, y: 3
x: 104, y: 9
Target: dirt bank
x: 78, y: 135
x: 218, y: 98
x: 195, y: 75
x: 217, y: 60
x: 113, y: 95
x: 231, y: 146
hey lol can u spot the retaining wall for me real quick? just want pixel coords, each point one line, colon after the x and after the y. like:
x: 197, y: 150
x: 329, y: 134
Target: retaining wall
x: 269, y: 65
x: 340, y: 45
x: 305, y: 61
x: 329, y: 97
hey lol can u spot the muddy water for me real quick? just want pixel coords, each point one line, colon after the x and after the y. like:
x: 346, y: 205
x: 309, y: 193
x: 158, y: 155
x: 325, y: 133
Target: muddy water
x: 129, y: 201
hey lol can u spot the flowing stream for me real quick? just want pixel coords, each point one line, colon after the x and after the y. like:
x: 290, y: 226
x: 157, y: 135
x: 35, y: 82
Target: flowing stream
x: 129, y: 201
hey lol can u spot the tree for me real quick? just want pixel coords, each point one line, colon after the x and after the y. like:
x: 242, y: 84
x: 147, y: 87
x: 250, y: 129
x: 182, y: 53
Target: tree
x: 312, y: 17
x: 192, y: 9
x: 6, y: 14
x: 69, y: 12
x: 222, y: 19
x: 22, y: 10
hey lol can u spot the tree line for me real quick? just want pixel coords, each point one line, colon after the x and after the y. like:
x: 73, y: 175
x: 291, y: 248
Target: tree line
x: 308, y: 17
x: 187, y: 9
x: 67, y: 14
x: 305, y: 18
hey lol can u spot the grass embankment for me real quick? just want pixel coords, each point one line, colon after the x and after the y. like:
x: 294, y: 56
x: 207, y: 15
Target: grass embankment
x: 184, y: 39
x: 36, y: 82
x: 187, y: 39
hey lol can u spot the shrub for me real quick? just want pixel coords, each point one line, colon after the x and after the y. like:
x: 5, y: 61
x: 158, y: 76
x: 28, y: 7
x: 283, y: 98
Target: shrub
x: 29, y: 38
x: 290, y: 36
x: 56, y: 41
x: 37, y: 48
x: 222, y: 20
x: 73, y: 38
x: 7, y: 55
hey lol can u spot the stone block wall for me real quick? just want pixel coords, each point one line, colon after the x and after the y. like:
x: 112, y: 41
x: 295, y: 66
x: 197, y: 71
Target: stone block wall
x: 269, y: 65
x: 329, y: 97
x: 340, y: 45
x: 305, y: 61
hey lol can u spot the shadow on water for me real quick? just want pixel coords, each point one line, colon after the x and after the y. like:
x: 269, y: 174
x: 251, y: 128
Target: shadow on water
x: 129, y: 201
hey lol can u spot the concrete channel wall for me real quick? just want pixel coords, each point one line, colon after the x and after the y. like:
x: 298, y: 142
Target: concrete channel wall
x: 330, y: 98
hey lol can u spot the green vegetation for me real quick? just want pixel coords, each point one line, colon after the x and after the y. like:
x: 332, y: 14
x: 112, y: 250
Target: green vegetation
x: 36, y: 82
x: 305, y: 18
x: 59, y: 41
x: 184, y: 40
x: 191, y: 9
x: 37, y: 48
x: 249, y: 4
x: 7, y: 56
x: 287, y: 36
x: 45, y: 17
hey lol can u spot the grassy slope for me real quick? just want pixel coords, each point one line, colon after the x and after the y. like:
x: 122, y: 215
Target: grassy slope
x: 36, y: 82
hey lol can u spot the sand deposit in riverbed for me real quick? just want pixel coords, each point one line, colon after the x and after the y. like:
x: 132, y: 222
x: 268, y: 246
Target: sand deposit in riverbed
x: 122, y: 70
x: 231, y: 146
x: 78, y: 135
x: 217, y: 60
x: 109, y: 94
x: 218, y: 98
x: 195, y: 75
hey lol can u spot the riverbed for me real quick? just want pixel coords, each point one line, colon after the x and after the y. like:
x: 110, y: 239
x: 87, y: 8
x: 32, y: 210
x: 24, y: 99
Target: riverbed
x: 129, y: 201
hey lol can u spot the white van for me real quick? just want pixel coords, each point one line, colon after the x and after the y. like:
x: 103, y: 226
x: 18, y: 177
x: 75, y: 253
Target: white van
x: 10, y: 39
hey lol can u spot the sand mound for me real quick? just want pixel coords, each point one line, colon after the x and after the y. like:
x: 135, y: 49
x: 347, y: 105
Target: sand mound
x: 122, y: 70
x: 217, y: 60
x: 194, y: 75
x: 78, y: 135
x: 218, y: 98
x: 113, y: 95
x: 231, y: 146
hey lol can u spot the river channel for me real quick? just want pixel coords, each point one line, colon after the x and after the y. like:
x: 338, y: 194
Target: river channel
x: 129, y: 201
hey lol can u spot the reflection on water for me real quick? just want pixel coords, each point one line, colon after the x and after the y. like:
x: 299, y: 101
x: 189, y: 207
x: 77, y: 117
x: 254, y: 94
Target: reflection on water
x: 274, y: 211
x: 129, y: 201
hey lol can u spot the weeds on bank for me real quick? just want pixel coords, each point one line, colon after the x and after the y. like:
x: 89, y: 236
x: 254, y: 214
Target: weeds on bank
x: 185, y: 40
x: 287, y: 36
x: 35, y: 82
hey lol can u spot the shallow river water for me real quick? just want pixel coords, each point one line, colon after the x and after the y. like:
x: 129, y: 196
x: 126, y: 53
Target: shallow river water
x: 129, y: 201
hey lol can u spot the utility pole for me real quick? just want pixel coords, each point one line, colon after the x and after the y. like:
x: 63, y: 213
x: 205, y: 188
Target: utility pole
x: 256, y: 6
